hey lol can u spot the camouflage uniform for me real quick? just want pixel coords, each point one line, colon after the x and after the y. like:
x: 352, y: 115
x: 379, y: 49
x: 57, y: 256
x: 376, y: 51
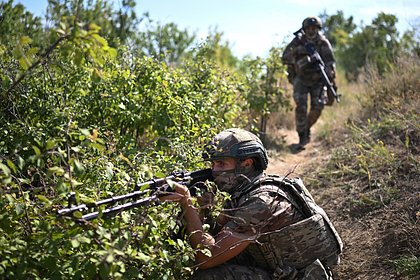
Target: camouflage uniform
x: 259, y: 212
x: 262, y: 207
x: 306, y: 78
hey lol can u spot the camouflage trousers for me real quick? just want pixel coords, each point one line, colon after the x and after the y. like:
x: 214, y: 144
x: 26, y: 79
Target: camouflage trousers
x: 315, y: 271
x: 303, y: 119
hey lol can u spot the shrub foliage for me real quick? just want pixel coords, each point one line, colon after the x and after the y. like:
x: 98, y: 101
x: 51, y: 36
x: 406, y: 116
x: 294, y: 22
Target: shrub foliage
x: 80, y: 116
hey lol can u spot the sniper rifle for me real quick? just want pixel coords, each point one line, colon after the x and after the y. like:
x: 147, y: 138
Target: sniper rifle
x: 153, y: 189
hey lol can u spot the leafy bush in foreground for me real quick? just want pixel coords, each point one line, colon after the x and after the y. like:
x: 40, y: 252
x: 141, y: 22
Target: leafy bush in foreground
x: 93, y: 120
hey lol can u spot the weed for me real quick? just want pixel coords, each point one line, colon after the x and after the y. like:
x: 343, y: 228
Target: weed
x: 407, y: 265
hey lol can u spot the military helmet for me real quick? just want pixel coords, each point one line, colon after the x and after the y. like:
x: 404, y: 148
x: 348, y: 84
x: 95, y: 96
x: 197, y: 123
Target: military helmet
x: 315, y: 21
x: 237, y: 143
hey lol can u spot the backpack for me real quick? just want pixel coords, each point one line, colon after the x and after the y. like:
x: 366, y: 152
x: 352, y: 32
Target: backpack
x: 300, y: 244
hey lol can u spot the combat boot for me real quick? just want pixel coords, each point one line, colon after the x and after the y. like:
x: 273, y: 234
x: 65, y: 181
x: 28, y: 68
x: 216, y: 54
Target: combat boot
x: 303, y: 138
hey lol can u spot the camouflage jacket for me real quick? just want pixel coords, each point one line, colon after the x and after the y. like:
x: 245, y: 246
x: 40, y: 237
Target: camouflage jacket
x: 297, y: 59
x: 286, y: 234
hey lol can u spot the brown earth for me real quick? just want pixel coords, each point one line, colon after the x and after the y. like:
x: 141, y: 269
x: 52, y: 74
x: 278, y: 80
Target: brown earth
x: 370, y: 239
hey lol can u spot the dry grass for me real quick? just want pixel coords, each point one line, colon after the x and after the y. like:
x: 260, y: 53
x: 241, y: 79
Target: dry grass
x: 373, y: 180
x: 366, y: 172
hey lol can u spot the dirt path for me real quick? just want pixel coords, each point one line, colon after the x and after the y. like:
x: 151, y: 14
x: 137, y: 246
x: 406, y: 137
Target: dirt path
x: 295, y: 162
x: 370, y: 238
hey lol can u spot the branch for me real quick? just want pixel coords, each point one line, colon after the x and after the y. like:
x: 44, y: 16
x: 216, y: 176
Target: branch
x: 43, y: 56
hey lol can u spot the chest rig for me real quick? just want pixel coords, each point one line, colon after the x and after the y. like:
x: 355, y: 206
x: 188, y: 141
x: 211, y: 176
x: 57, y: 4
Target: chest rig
x: 298, y: 245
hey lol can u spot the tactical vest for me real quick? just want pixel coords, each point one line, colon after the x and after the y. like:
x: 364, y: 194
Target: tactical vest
x: 300, y: 58
x: 300, y: 244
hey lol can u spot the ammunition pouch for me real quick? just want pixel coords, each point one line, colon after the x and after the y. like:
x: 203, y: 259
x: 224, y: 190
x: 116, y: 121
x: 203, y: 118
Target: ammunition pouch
x: 302, y: 243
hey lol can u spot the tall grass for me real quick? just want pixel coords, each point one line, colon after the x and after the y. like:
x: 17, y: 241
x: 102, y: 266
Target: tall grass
x: 378, y: 165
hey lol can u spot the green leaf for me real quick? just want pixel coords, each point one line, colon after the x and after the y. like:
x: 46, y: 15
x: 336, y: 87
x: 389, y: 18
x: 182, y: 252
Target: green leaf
x: 77, y: 214
x: 24, y: 63
x: 109, y: 171
x: 11, y: 165
x: 110, y: 258
x: 75, y: 243
x: 113, y: 52
x: 77, y: 149
x: 180, y: 243
x: 50, y: 144
x: 85, y: 131
x: 79, y: 168
x: 125, y: 217
x: 55, y: 170
x: 5, y: 169
x: 10, y: 198
x: 25, y: 40
x: 20, y: 162
x: 32, y: 51
x: 97, y: 146
x: 37, y: 150
x: 43, y: 199
x: 142, y: 257
x: 84, y: 239
x: 20, y: 208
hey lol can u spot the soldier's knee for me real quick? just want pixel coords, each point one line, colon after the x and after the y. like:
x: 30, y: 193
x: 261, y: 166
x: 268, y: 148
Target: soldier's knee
x: 301, y: 110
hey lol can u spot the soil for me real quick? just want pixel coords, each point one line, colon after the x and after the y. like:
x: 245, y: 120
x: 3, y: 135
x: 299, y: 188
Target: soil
x: 370, y: 239
x: 293, y: 160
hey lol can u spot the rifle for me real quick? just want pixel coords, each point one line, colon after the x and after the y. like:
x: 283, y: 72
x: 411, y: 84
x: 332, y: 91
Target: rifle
x: 316, y: 58
x: 153, y: 188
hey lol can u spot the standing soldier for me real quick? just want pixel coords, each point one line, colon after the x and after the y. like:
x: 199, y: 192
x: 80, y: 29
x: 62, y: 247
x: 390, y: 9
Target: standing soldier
x: 304, y: 74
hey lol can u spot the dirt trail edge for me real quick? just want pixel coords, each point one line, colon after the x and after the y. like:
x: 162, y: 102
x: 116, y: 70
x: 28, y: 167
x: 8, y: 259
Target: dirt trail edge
x: 295, y: 163
x: 368, y: 240
x: 304, y: 164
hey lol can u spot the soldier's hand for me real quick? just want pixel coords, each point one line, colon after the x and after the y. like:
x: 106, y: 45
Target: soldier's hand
x: 180, y: 193
x: 290, y: 74
x: 330, y: 73
x: 205, y: 200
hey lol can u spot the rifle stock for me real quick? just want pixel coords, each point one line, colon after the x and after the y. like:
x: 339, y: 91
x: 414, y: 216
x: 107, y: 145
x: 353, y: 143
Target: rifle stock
x: 154, y: 188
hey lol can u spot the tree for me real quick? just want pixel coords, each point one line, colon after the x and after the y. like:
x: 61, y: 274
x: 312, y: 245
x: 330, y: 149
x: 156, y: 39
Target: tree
x: 216, y: 49
x: 165, y: 42
x: 118, y: 26
x: 410, y: 40
x: 16, y: 22
x: 337, y: 28
x: 376, y: 45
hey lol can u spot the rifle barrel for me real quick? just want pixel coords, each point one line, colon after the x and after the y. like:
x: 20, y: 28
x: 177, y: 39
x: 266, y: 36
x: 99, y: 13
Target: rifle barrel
x: 153, y: 186
x: 119, y: 208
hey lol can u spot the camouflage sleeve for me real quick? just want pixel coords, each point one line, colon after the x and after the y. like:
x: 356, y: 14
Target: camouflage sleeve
x: 289, y: 60
x: 259, y: 214
x: 288, y: 54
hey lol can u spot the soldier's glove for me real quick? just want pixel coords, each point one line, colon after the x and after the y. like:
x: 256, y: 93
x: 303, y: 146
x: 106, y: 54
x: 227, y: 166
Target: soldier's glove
x: 330, y: 73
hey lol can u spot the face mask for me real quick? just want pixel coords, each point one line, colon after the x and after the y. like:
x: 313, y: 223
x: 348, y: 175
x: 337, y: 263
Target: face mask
x: 311, y: 34
x: 229, y: 180
x: 226, y: 180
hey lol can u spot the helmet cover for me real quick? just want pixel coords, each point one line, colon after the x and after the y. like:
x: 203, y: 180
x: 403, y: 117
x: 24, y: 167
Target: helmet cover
x: 237, y: 143
x: 312, y: 21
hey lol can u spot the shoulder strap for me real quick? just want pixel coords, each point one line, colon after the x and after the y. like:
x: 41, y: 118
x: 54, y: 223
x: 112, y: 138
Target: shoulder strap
x: 281, y: 186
